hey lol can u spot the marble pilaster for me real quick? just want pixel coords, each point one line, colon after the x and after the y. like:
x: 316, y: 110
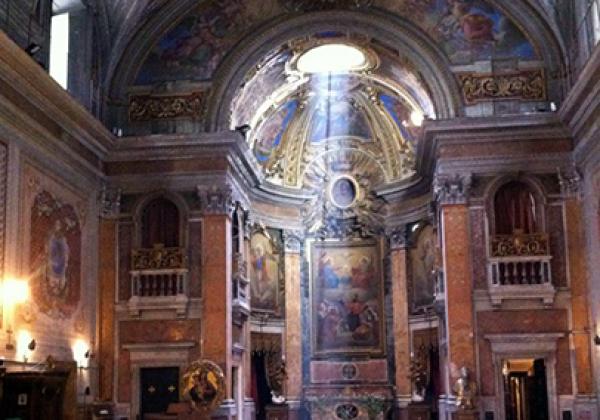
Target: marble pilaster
x: 293, y: 320
x: 399, y: 274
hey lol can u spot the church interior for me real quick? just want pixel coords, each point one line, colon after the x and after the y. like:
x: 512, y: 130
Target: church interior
x: 293, y: 209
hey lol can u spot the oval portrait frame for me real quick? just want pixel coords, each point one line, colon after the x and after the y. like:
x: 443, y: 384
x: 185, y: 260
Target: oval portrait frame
x: 333, y: 192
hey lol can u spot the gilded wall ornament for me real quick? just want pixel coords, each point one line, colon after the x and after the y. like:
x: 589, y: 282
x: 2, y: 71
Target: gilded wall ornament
x: 162, y: 107
x: 529, y: 85
x: 158, y: 258
x: 203, y: 385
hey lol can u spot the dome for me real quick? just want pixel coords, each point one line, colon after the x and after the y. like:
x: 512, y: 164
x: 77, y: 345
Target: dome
x: 331, y: 104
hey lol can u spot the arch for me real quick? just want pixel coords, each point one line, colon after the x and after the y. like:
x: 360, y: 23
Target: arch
x: 537, y: 190
x: 429, y: 60
x: 142, y: 205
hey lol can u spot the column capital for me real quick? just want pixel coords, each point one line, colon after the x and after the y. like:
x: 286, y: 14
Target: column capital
x: 109, y: 202
x: 398, y: 237
x: 216, y: 200
x: 571, y: 182
x: 452, y: 188
x: 292, y: 240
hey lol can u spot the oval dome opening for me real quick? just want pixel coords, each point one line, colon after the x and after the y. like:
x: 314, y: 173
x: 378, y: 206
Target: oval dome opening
x: 332, y: 58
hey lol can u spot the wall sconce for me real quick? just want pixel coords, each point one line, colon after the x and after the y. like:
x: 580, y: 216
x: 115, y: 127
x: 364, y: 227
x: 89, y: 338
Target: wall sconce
x: 13, y: 292
x: 81, y: 353
x: 25, y: 345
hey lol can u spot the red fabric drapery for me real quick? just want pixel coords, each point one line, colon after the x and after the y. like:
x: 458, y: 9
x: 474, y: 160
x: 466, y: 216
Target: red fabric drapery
x: 514, y: 209
x: 160, y: 224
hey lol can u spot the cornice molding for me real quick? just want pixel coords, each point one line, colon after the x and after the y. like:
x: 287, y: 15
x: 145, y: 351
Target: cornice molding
x: 486, y: 130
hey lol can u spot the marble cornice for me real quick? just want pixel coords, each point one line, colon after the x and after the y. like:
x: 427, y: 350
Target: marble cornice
x: 38, y: 91
x: 471, y: 132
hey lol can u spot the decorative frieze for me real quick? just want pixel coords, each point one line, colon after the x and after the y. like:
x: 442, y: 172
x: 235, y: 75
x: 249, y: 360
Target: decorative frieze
x: 158, y: 258
x: 520, y: 245
x: 216, y: 200
x: 529, y: 85
x: 452, y: 189
x: 316, y: 5
x: 162, y: 107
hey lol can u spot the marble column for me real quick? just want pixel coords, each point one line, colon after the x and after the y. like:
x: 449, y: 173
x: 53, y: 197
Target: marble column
x: 399, y: 277
x: 293, y: 322
x: 451, y: 193
x: 107, y: 256
x: 580, y: 329
x: 216, y: 330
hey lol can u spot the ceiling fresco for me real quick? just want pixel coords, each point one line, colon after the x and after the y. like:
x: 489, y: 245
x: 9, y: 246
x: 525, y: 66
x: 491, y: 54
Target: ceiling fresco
x: 467, y: 30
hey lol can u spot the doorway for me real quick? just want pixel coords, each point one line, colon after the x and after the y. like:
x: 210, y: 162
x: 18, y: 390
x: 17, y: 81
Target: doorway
x: 159, y: 388
x: 525, y: 389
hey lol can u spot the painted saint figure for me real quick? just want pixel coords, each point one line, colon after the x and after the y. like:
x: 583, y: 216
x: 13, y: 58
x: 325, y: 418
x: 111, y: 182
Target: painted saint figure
x: 57, y: 252
x: 263, y: 287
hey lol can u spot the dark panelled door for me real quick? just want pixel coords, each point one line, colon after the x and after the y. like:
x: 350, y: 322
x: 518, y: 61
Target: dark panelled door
x: 160, y: 387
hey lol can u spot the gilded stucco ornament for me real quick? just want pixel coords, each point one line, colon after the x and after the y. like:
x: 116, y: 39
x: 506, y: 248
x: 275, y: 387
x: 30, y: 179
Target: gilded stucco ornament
x: 529, y: 85
x: 164, y: 107
x: 203, y: 385
x: 466, y: 390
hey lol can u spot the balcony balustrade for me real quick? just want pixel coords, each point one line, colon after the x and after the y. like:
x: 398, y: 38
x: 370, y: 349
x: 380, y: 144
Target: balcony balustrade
x: 519, y: 268
x: 159, y: 280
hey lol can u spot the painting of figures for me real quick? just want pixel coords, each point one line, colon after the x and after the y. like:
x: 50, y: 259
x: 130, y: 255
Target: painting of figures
x: 347, y: 298
x: 468, y: 30
x: 265, y: 272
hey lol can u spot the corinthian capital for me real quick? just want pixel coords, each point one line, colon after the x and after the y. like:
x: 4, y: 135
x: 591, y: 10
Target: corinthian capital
x: 571, y: 183
x: 216, y: 199
x: 109, y: 201
x: 398, y: 237
x: 292, y: 240
x: 451, y: 189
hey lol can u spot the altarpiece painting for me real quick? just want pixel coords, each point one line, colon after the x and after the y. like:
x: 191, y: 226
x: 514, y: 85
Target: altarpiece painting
x: 347, y: 298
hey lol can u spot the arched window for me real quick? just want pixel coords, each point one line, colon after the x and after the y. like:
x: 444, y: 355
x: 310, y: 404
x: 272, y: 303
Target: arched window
x: 160, y: 223
x: 515, y: 209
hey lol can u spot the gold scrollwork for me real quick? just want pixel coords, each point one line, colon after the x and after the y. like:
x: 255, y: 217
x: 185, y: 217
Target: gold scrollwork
x: 520, y: 245
x: 158, y: 258
x: 160, y: 107
x: 525, y: 85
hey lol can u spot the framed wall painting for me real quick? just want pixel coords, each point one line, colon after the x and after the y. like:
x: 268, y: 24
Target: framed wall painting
x: 346, y: 285
x: 266, y: 272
